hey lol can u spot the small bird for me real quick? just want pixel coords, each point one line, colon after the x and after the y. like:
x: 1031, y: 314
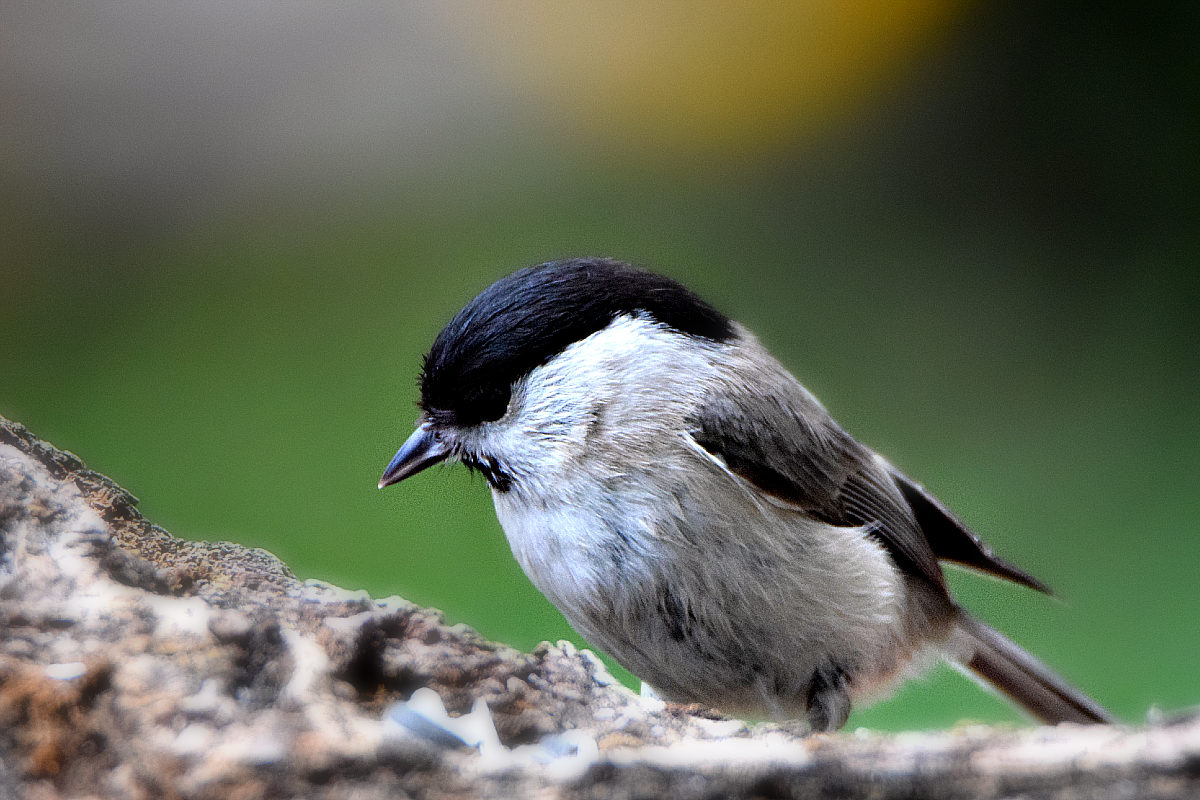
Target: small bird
x: 694, y: 511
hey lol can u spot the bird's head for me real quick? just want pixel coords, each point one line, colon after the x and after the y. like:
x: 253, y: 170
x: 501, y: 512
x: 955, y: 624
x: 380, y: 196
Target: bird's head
x: 518, y: 379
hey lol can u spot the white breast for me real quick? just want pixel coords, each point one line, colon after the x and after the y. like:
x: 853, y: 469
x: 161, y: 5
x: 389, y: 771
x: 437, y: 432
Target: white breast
x: 658, y: 554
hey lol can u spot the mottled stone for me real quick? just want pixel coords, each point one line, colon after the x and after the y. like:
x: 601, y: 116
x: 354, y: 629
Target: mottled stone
x: 134, y: 664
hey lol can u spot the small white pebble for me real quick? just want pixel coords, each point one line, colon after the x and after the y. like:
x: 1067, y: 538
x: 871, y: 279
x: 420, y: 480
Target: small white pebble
x: 67, y: 671
x: 395, y: 603
x: 259, y: 751
x: 652, y: 704
x: 478, y: 729
x: 337, y: 592
x: 193, y: 740
x: 348, y: 624
x: 720, y: 728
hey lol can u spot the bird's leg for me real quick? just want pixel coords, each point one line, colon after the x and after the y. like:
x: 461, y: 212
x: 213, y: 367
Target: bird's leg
x: 828, y: 700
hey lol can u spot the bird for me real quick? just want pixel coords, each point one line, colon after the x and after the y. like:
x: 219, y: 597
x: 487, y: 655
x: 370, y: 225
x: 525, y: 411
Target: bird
x: 695, y: 512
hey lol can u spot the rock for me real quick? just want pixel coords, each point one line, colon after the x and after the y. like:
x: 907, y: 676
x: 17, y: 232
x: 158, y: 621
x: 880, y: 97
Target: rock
x: 137, y: 665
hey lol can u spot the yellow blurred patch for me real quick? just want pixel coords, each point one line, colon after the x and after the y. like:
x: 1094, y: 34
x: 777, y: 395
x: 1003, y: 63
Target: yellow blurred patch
x: 704, y: 76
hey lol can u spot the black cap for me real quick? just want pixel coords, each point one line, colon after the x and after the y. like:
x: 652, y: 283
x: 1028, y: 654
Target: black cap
x: 522, y: 321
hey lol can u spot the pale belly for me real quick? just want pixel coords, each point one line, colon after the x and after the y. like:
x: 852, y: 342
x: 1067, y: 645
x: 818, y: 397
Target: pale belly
x: 741, y: 617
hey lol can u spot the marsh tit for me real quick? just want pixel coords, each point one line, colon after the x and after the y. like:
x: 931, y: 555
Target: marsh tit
x: 695, y: 512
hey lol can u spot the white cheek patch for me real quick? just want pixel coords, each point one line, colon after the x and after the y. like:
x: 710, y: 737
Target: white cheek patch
x: 633, y: 378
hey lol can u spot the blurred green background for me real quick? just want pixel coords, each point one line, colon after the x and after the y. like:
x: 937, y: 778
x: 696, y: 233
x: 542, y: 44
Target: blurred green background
x: 228, y: 233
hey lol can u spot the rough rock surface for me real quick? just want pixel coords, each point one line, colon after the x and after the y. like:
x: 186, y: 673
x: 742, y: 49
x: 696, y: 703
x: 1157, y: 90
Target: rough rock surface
x: 137, y: 665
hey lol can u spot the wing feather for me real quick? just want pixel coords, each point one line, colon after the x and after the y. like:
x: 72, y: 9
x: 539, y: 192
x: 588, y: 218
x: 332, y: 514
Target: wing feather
x: 952, y: 540
x: 791, y: 449
x: 808, y: 461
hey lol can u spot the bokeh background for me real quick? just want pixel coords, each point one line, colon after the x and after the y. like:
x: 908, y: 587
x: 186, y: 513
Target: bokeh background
x: 228, y: 232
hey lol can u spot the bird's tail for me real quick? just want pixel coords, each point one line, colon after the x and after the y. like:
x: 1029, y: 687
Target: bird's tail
x: 1028, y: 682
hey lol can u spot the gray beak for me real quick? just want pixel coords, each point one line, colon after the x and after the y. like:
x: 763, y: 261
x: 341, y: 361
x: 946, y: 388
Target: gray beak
x: 423, y: 449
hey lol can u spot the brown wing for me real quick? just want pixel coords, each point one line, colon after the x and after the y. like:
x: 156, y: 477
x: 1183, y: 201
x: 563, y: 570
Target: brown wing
x: 801, y: 456
x: 790, y: 448
x: 952, y: 540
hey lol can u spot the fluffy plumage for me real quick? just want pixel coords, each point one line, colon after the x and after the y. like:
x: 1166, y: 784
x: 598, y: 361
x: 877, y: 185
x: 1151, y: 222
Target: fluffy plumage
x: 694, y: 511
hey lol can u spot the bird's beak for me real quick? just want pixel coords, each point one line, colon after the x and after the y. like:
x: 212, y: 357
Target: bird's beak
x: 423, y: 449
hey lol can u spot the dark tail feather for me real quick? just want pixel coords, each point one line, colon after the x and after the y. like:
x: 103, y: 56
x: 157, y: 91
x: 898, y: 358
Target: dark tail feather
x: 1024, y: 679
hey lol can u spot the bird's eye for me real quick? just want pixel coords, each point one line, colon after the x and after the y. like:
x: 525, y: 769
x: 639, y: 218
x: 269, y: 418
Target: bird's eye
x: 470, y: 408
x: 486, y: 404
